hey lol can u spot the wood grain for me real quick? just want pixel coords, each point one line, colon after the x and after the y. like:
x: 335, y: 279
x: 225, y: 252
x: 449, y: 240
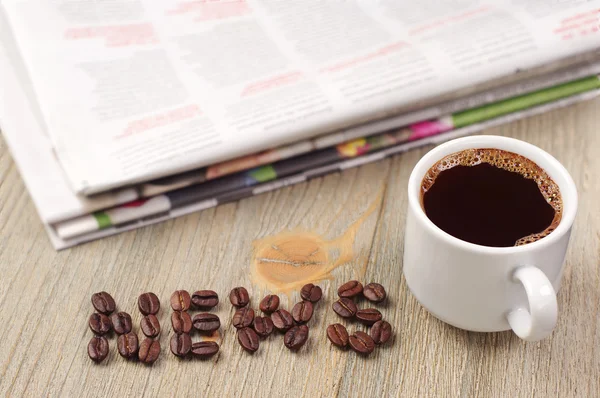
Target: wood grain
x: 45, y: 295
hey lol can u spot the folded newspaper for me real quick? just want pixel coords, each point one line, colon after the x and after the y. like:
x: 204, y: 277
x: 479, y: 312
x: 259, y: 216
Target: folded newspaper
x: 123, y: 113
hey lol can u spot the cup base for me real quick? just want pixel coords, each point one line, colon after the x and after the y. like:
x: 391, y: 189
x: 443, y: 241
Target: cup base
x: 458, y: 325
x: 468, y: 329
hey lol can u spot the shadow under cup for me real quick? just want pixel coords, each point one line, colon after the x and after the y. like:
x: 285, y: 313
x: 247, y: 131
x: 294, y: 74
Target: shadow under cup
x: 473, y: 287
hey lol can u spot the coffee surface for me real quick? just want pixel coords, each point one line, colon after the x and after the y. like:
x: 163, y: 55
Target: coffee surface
x: 491, y: 197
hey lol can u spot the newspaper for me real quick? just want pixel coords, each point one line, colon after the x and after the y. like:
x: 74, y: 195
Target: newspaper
x: 316, y: 163
x: 60, y: 209
x: 132, y: 90
x: 147, y: 214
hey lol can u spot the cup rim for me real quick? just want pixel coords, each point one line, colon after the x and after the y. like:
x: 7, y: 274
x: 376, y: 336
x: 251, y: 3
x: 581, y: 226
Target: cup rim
x: 500, y: 142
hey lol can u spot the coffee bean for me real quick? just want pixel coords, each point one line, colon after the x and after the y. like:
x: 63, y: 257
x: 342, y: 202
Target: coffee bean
x: 381, y: 332
x: 148, y: 303
x: 181, y: 344
x: 269, y: 304
x: 150, y: 326
x: 282, y: 320
x: 205, y: 299
x: 362, y: 343
x: 374, y: 292
x: 350, y: 289
x: 103, y: 303
x: 206, y: 323
x: 243, y: 317
x: 263, y: 326
x: 310, y: 292
x: 345, y: 308
x: 248, y: 339
x: 98, y: 348
x: 239, y: 297
x: 368, y: 316
x: 121, y: 322
x: 180, y: 300
x: 296, y: 337
x: 302, y: 311
x: 337, y: 334
x: 181, y: 322
x: 149, y: 351
x: 127, y: 344
x: 99, y: 323
x: 205, y: 349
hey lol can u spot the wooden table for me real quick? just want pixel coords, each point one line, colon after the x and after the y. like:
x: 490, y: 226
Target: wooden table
x: 45, y: 295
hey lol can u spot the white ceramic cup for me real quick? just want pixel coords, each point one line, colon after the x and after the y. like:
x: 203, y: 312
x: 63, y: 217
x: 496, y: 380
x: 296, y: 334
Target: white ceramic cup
x: 480, y: 288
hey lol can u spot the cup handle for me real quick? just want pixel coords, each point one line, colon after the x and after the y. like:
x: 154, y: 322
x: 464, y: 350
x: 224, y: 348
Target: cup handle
x: 538, y: 322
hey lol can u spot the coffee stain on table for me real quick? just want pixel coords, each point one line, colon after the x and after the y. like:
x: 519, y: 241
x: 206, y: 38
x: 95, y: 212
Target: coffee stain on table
x: 288, y: 260
x: 214, y: 336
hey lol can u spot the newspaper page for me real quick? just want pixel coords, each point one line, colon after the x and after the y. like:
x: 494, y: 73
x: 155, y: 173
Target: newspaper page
x: 136, y: 89
x: 146, y: 214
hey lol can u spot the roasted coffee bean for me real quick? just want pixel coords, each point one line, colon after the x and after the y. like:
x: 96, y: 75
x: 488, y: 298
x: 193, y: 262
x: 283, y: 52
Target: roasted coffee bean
x: 248, y: 339
x: 180, y: 300
x: 269, y: 304
x: 243, y: 317
x: 149, y: 351
x: 362, y: 343
x: 127, y: 344
x: 338, y: 335
x: 181, y: 344
x: 296, y: 337
x: 148, y: 303
x: 381, y: 332
x: 98, y: 348
x: 239, y: 297
x: 150, y: 326
x: 368, y: 316
x: 374, y: 292
x: 206, y: 323
x: 310, y: 292
x: 282, y: 320
x: 302, y: 312
x: 121, y: 322
x: 205, y: 349
x: 205, y: 299
x: 350, y: 289
x: 103, y: 303
x: 263, y: 326
x: 345, y: 308
x: 181, y: 322
x: 100, y: 323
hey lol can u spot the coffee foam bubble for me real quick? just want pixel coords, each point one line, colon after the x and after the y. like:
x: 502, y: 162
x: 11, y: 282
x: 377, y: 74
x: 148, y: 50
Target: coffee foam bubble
x: 507, y: 161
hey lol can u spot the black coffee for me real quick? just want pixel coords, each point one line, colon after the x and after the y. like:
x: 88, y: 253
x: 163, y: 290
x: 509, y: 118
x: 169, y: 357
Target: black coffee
x: 491, y: 197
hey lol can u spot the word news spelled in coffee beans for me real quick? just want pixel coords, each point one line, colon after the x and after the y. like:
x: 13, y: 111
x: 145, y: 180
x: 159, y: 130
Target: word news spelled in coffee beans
x: 253, y: 326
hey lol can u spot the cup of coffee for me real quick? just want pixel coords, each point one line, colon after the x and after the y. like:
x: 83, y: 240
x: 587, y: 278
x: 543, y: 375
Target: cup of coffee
x: 488, y: 225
